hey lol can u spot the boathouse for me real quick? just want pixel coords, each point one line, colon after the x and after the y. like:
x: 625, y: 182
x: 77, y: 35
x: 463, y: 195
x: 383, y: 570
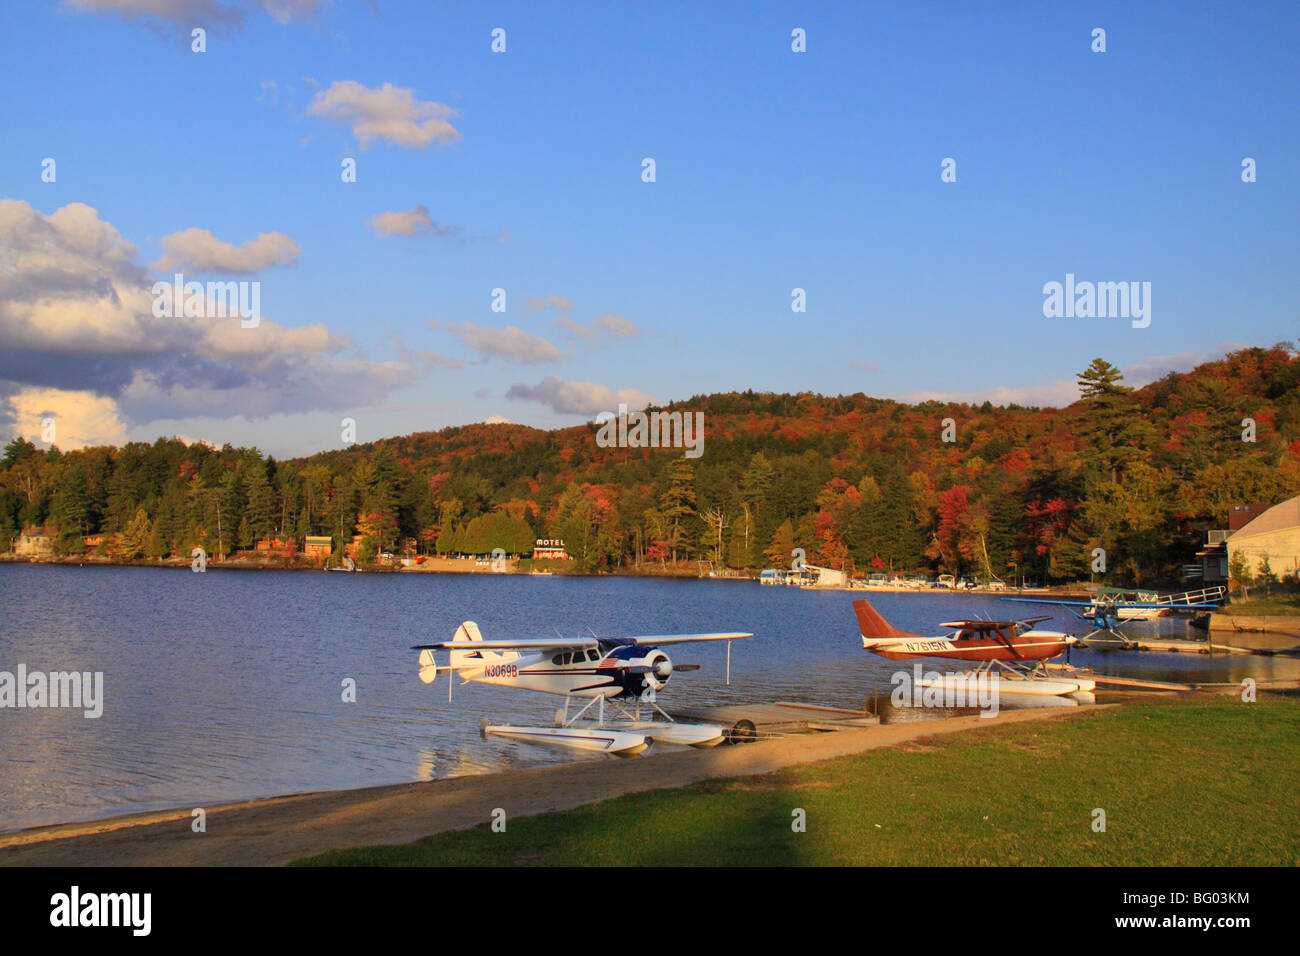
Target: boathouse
x: 1272, y: 538
x: 318, y: 546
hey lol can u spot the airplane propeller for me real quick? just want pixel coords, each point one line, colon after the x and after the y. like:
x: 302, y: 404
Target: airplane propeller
x: 428, y: 667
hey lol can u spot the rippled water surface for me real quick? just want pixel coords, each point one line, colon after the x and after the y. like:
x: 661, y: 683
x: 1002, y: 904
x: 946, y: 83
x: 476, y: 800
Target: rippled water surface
x: 227, y: 685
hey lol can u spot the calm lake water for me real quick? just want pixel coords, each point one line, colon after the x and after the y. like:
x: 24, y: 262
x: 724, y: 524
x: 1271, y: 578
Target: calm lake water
x: 227, y: 685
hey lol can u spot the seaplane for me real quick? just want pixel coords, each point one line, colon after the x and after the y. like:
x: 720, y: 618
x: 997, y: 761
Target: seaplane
x: 623, y: 674
x: 1111, y: 610
x: 1012, y: 653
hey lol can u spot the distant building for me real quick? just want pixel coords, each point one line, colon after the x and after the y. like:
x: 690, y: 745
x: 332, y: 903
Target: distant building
x: 1240, y: 515
x: 828, y: 577
x: 1273, y: 536
x: 1212, y: 559
x: 318, y: 546
x: 549, y: 549
x: 277, y: 546
x: 36, y: 541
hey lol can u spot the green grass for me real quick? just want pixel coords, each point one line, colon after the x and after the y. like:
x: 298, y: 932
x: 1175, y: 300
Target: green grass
x: 1273, y: 604
x: 1194, y: 782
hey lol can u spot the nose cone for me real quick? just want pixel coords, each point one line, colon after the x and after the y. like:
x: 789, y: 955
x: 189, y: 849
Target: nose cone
x: 663, y: 668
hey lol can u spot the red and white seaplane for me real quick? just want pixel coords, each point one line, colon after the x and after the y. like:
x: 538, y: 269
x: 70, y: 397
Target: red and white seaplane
x: 623, y: 672
x: 1016, y: 649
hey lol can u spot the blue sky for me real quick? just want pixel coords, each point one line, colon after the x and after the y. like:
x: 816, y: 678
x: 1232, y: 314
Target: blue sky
x: 775, y: 170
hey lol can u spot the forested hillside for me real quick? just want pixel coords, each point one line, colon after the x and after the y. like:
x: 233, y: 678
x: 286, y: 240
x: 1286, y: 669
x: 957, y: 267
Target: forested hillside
x: 858, y: 482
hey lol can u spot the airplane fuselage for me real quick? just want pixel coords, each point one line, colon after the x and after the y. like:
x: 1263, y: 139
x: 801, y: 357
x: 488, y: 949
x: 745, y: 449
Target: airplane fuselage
x: 580, y: 673
x: 1029, y: 646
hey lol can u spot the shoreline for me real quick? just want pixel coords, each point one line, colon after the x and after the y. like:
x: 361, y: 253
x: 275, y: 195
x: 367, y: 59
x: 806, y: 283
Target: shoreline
x: 277, y: 830
x: 183, y: 564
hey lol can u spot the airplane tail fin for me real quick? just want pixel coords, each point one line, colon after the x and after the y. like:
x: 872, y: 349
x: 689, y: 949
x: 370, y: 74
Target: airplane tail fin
x: 466, y: 658
x: 873, y: 627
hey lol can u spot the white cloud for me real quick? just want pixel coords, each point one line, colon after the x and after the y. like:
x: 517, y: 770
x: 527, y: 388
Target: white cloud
x: 76, y: 314
x: 576, y: 329
x: 511, y: 343
x: 80, y: 418
x: 1147, y: 370
x: 578, y: 398
x: 1062, y: 392
x: 617, y: 326
x: 390, y: 113
x: 402, y: 223
x: 199, y: 250
x: 417, y: 220
x: 559, y: 302
x: 1056, y: 394
x: 189, y: 13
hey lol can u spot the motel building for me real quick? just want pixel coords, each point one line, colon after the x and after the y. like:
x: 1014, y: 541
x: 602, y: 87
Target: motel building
x: 549, y: 549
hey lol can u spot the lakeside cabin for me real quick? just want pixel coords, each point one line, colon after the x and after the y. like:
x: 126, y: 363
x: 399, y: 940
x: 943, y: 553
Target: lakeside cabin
x: 36, y: 541
x: 318, y: 546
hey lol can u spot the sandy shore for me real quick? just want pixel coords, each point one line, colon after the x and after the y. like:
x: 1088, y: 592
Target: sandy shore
x: 275, y: 831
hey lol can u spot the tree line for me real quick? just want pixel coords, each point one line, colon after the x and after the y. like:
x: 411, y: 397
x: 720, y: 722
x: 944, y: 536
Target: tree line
x: 859, y: 483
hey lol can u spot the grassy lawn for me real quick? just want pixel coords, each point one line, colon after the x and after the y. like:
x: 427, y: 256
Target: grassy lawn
x: 1275, y: 604
x: 1189, y: 782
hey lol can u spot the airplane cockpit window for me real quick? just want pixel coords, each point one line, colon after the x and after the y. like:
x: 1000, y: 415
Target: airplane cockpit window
x: 558, y: 659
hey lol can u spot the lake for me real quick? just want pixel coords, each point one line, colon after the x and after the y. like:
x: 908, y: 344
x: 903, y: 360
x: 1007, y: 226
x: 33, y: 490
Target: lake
x: 228, y: 685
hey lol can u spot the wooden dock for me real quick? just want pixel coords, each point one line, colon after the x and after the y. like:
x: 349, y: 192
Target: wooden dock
x: 1107, y: 680
x: 757, y: 721
x: 1168, y: 645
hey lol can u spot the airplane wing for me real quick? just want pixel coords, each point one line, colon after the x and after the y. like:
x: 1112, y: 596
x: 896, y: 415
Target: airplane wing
x: 993, y: 625
x: 568, y: 643
x: 656, y: 639
x: 534, y: 644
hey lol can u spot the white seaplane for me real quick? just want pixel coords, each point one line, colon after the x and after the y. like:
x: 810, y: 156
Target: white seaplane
x: 618, y: 671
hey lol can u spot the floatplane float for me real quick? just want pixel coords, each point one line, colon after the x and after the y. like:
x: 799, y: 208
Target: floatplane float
x: 625, y: 673
x: 1012, y: 655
